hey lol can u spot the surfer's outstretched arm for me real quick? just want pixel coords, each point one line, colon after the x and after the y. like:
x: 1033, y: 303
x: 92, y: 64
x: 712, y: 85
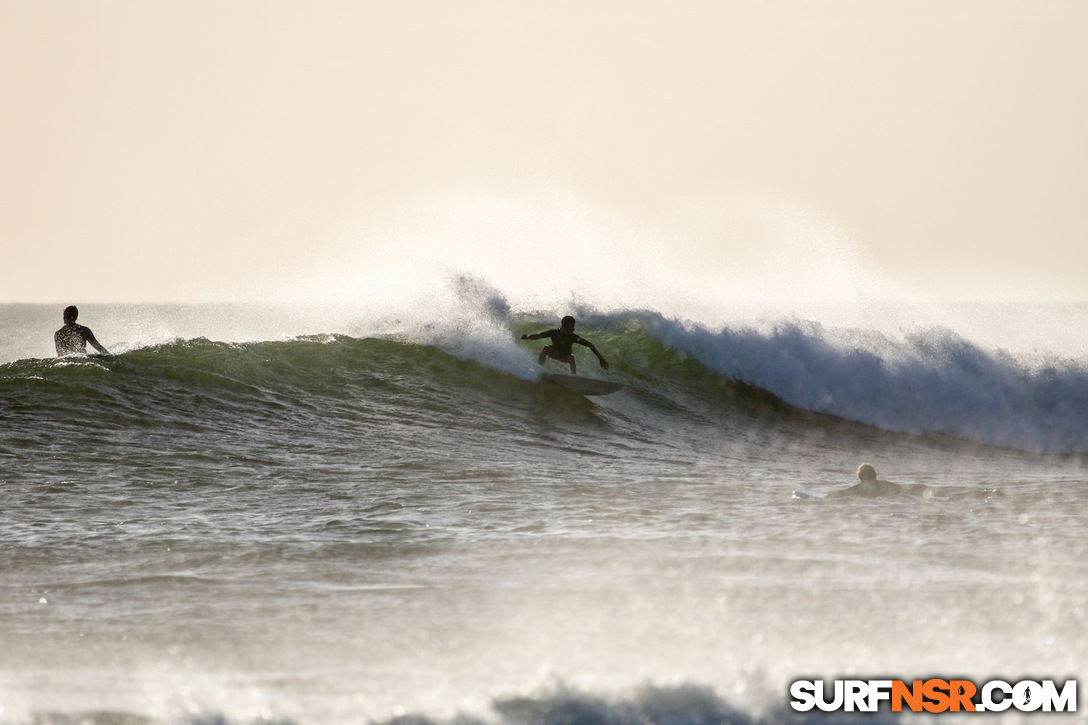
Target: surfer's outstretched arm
x: 537, y: 336
x: 89, y: 337
x: 591, y: 346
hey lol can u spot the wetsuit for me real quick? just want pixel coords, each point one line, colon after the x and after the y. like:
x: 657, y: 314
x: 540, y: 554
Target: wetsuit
x: 73, y: 338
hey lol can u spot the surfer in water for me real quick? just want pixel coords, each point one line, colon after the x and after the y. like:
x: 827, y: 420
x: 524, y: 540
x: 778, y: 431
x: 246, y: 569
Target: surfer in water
x: 562, y: 345
x: 869, y: 486
x: 73, y: 338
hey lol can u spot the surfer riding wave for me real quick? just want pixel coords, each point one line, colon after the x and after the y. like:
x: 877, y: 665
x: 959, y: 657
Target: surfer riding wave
x: 563, y: 341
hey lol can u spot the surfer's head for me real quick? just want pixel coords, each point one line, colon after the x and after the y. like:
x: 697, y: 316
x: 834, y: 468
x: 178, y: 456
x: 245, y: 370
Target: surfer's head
x: 567, y: 323
x: 866, y: 472
x: 70, y: 314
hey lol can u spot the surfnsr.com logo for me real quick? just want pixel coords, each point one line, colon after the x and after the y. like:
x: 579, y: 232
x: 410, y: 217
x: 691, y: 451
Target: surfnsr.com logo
x: 934, y: 696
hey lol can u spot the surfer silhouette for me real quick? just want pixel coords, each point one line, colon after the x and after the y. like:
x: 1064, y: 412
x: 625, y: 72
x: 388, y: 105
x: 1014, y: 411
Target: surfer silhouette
x: 73, y: 338
x: 563, y: 341
x: 869, y: 486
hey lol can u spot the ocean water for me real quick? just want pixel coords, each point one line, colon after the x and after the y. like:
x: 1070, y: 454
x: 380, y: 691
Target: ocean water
x: 245, y: 515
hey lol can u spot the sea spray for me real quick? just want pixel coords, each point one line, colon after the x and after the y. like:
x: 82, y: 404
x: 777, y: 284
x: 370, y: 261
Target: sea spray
x: 929, y: 381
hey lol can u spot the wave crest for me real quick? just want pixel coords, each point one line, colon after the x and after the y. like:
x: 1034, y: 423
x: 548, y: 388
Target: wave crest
x: 932, y: 381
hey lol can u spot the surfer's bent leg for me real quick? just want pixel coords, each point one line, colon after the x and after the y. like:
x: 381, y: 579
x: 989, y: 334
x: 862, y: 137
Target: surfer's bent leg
x: 550, y: 352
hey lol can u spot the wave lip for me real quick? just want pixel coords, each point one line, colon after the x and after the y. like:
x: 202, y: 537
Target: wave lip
x: 933, y: 381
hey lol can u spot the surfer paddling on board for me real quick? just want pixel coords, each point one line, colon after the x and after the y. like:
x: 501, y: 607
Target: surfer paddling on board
x: 73, y: 338
x: 563, y: 341
x: 869, y: 486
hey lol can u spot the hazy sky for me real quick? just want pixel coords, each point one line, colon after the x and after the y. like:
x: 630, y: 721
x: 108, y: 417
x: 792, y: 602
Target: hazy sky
x: 183, y: 151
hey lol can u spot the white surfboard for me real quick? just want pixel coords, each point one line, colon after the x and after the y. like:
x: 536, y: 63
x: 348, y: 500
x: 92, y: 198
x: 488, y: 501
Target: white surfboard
x: 808, y: 494
x: 581, y: 385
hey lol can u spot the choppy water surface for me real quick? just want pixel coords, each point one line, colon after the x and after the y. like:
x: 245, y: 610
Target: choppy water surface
x: 341, y: 528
